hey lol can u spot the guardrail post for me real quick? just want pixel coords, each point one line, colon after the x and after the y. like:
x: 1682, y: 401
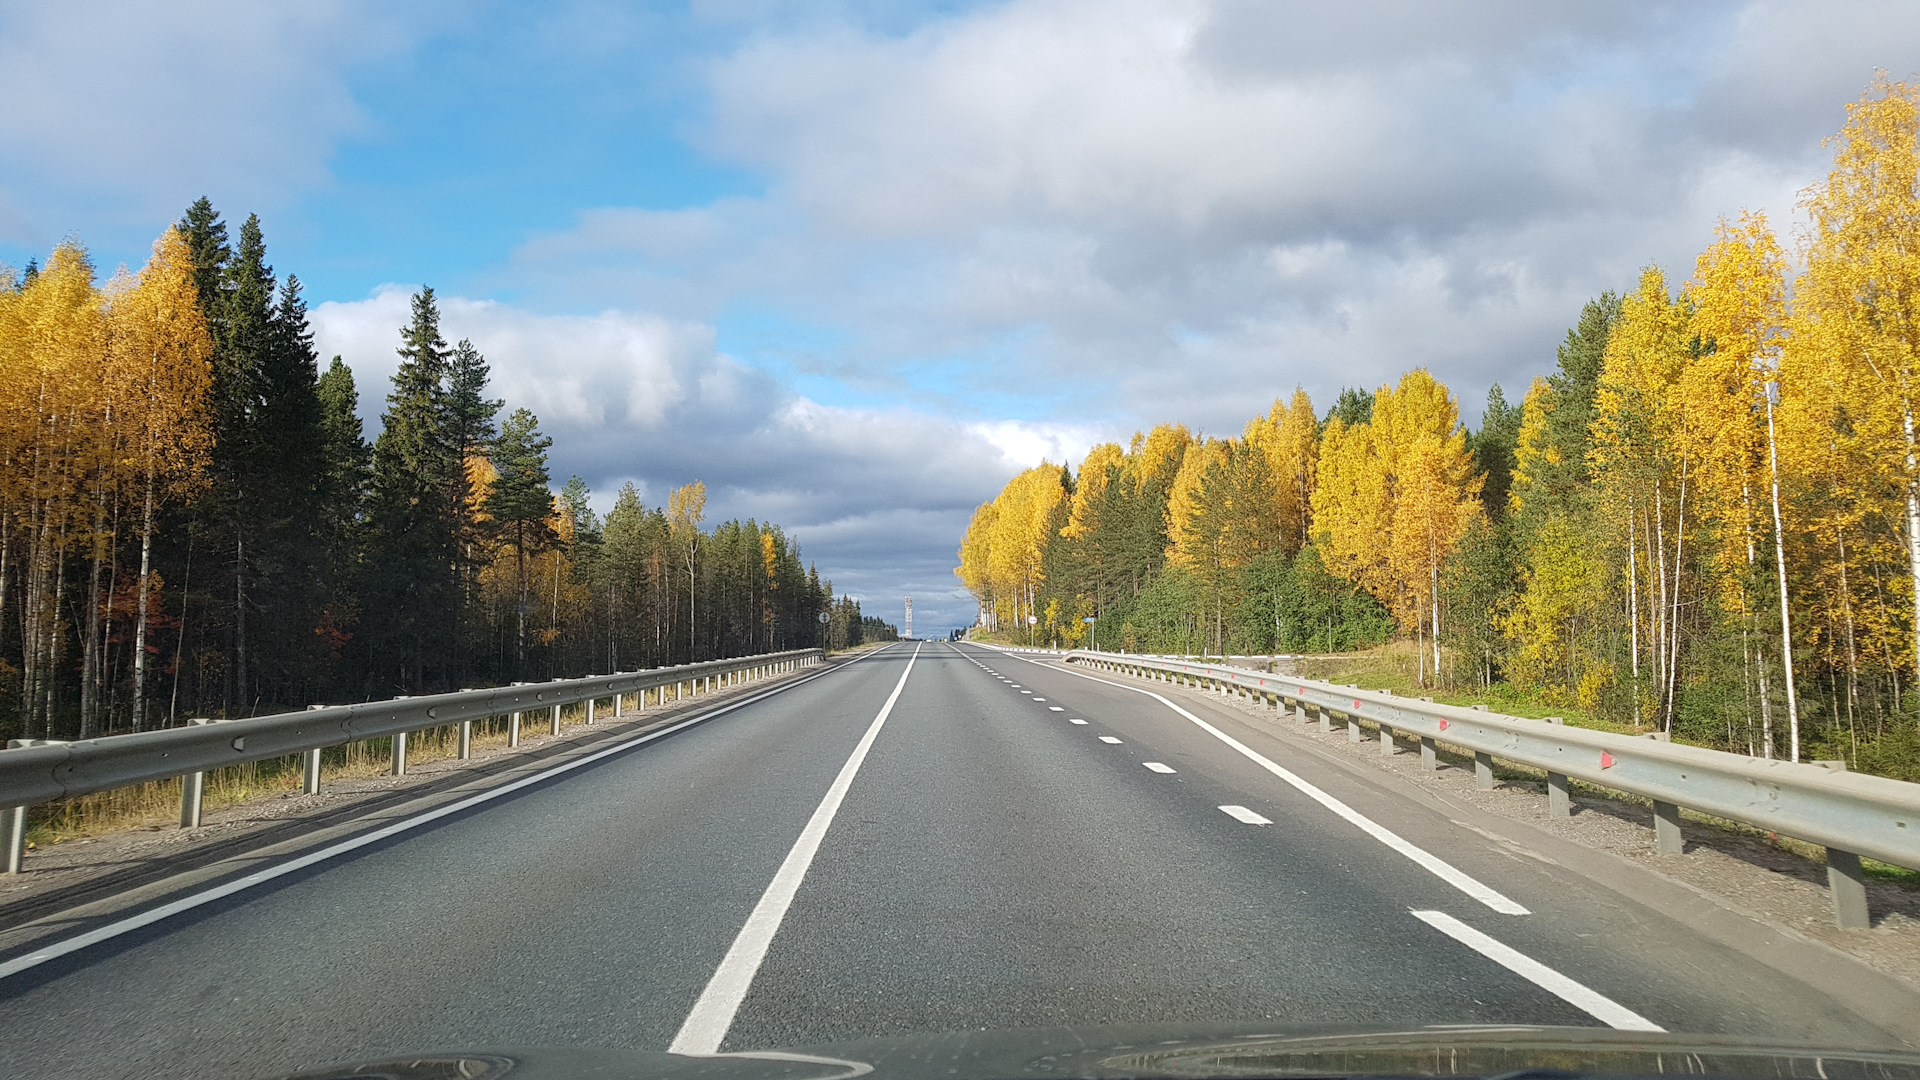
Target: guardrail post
x: 1667, y: 838
x: 16, y: 838
x: 1353, y: 729
x: 310, y: 772
x: 1429, y: 754
x: 1559, y: 798
x: 1386, y: 741
x: 192, y: 787
x: 1483, y: 770
x: 1848, y: 883
x: 619, y: 706
x: 399, y: 753
x: 513, y: 729
x: 590, y: 704
x: 466, y: 740
x: 554, y: 728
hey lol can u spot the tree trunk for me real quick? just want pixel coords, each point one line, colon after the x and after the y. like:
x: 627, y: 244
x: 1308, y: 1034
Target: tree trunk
x: 1660, y: 612
x: 1679, y: 557
x: 1633, y: 612
x: 239, y: 621
x: 140, y: 618
x: 90, y: 676
x: 520, y: 623
x: 57, y: 646
x: 1913, y: 528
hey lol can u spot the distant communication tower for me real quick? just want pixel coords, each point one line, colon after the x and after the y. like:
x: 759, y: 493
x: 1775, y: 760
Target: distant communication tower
x: 909, y: 617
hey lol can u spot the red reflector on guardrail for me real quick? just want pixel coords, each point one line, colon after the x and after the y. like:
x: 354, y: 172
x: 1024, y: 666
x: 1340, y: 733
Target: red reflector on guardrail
x: 1606, y: 760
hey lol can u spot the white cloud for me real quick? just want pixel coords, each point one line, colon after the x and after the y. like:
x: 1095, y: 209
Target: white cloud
x: 127, y: 111
x: 1176, y: 209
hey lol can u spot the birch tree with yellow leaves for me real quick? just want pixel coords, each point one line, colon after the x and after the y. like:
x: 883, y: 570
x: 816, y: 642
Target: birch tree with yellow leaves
x: 161, y: 355
x: 1856, y: 325
x: 1738, y: 313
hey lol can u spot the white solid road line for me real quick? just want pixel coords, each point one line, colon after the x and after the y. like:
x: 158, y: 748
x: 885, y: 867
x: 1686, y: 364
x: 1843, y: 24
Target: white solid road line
x: 1157, y: 766
x: 1246, y: 816
x: 1433, y: 864
x: 1592, y: 1002
x: 187, y: 903
x: 706, y: 1026
x: 1110, y: 740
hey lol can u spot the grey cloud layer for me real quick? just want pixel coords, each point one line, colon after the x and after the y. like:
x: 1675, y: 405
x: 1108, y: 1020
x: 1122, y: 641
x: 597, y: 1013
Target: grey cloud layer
x: 877, y: 497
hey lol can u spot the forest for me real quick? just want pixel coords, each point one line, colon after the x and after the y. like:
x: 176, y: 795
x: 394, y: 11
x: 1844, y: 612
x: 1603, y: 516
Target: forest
x: 1704, y: 519
x: 193, y: 522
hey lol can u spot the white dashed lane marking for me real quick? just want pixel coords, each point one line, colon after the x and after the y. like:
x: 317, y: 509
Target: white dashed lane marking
x: 1158, y: 767
x: 1056, y: 708
x: 1110, y: 740
x: 1245, y: 816
x: 1076, y: 720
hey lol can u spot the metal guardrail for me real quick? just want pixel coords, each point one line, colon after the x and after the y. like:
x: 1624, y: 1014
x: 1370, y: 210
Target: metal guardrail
x: 1850, y: 814
x: 37, y: 771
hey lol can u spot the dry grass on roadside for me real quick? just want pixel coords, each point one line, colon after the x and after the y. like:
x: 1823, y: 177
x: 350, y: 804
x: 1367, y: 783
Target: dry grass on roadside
x: 157, y: 804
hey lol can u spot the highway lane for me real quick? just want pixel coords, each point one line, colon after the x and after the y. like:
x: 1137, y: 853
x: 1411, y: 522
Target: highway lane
x: 993, y: 865
x: 1639, y: 958
x: 589, y: 910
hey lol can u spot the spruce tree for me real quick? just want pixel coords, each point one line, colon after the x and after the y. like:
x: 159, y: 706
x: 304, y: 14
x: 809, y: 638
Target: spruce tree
x: 1492, y: 448
x: 290, y: 482
x: 521, y: 505
x: 207, y: 242
x: 1574, y: 385
x: 347, y: 463
x: 416, y: 481
x: 470, y: 426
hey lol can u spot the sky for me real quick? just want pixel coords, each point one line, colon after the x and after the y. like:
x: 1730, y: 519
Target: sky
x: 854, y: 264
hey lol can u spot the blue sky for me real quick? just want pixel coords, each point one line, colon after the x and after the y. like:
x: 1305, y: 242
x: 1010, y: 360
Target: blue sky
x: 853, y: 264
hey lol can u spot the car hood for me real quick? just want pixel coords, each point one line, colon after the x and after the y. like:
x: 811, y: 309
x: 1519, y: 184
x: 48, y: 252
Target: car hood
x: 1183, y: 1051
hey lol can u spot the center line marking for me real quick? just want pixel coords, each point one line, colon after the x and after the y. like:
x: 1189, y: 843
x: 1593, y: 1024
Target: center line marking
x: 1039, y: 699
x: 1428, y: 861
x: 1076, y: 720
x: 1056, y: 708
x: 706, y: 1026
x: 1590, y: 1001
x: 1158, y: 767
x: 1246, y: 816
x: 1110, y: 740
x: 354, y: 843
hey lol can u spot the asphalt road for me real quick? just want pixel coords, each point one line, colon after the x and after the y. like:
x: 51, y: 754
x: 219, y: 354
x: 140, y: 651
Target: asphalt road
x: 981, y: 861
